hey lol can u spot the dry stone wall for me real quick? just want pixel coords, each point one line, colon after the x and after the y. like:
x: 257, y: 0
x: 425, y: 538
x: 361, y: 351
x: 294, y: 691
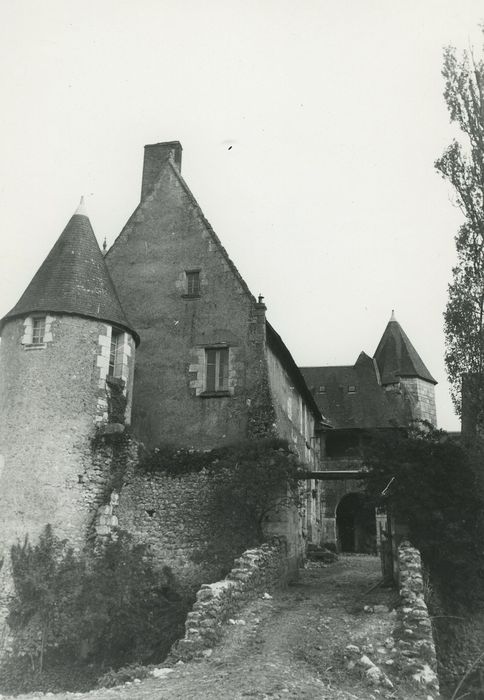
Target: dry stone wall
x: 415, y: 642
x: 256, y: 572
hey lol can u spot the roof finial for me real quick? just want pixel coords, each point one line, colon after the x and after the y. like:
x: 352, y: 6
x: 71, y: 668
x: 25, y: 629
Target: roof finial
x: 393, y: 316
x: 105, y: 245
x: 81, y: 209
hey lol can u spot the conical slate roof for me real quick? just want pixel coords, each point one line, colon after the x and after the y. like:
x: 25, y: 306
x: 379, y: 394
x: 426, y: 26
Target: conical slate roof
x: 396, y: 356
x: 74, y: 279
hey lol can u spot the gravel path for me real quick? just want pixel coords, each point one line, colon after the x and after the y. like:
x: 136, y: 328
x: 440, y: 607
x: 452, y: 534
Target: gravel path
x: 291, y: 646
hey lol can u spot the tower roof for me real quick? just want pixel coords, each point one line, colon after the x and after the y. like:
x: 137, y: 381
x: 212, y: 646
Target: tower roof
x: 74, y: 279
x: 396, y: 356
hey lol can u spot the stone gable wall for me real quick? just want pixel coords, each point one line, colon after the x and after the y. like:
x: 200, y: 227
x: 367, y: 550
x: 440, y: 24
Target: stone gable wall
x: 167, y: 236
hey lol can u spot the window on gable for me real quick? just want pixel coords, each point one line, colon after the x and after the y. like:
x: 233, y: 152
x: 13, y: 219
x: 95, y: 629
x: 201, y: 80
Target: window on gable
x: 115, y: 353
x: 193, y: 283
x: 38, y: 330
x: 322, y: 389
x: 217, y: 369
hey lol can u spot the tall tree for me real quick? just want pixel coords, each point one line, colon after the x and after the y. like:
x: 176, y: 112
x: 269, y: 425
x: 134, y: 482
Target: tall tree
x: 463, y: 165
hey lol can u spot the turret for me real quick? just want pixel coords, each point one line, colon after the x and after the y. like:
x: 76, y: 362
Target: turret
x: 64, y: 346
x: 400, y: 365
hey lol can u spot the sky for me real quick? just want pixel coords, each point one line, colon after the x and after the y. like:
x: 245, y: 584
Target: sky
x: 309, y: 131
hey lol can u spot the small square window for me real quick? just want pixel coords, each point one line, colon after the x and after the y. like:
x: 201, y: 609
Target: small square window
x: 193, y: 283
x: 38, y: 330
x: 217, y: 369
x: 322, y: 389
x: 351, y: 389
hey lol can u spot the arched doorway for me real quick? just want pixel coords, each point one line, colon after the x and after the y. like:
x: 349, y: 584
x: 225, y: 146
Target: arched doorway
x: 356, y: 524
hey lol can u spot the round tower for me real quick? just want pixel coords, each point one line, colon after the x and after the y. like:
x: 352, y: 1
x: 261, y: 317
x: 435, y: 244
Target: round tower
x: 400, y: 365
x: 64, y: 345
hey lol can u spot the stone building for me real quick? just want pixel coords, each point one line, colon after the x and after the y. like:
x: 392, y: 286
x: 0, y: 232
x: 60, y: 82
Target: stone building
x: 210, y: 370
x: 389, y: 390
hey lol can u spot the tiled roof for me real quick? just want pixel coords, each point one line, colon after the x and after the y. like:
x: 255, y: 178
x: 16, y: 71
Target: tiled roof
x: 396, y: 357
x: 351, y: 396
x: 74, y: 279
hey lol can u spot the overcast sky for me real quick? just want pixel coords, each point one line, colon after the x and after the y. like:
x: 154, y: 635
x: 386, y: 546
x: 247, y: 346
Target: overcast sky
x: 327, y: 200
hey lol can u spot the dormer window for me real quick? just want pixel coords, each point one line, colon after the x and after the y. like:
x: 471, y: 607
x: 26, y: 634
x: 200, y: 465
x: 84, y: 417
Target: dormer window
x: 38, y: 330
x: 193, y: 283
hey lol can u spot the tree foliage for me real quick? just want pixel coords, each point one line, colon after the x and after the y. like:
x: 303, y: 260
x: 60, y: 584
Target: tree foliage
x: 462, y: 164
x: 426, y: 481
x: 253, y: 481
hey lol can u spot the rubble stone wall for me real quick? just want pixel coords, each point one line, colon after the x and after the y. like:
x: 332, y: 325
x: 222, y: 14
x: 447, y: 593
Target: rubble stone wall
x: 414, y: 629
x: 256, y: 572
x: 173, y: 515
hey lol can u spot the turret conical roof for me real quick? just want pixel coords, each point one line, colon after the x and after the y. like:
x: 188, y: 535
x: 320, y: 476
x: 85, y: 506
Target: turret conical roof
x: 396, y: 356
x: 74, y: 279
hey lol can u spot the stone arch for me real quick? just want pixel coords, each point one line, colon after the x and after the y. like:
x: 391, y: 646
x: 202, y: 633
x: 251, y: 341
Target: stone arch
x: 355, y: 524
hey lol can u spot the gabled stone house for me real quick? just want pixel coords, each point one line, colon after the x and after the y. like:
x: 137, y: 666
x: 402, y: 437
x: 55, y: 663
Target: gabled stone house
x: 210, y: 369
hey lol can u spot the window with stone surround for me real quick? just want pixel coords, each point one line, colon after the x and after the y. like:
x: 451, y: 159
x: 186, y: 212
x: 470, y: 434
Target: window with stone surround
x: 116, y: 353
x: 38, y: 330
x: 193, y: 283
x: 216, y: 370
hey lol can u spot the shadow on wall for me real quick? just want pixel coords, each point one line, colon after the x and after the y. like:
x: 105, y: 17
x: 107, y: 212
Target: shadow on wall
x: 356, y: 524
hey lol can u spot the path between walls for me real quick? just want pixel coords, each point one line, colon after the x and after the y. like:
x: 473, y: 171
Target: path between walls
x: 291, y: 645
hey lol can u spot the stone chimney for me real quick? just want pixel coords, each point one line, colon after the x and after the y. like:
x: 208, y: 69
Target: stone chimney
x: 155, y: 155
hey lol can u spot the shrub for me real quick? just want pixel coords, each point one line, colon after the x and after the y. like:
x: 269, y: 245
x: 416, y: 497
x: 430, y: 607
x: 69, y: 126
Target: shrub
x: 426, y: 481
x: 108, y: 610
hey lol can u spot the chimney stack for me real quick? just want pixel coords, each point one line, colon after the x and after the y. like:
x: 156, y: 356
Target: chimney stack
x: 155, y: 155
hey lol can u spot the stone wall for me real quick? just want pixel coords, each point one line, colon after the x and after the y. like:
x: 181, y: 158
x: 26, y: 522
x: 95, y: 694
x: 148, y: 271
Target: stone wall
x: 295, y: 421
x: 49, y: 402
x: 422, y: 399
x: 413, y: 632
x: 173, y: 516
x: 255, y: 572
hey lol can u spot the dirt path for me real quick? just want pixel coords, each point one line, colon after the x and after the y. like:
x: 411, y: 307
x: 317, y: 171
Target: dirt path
x: 289, y: 646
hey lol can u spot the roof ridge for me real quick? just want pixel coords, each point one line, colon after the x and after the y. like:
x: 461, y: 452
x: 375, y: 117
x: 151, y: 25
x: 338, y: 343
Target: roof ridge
x: 199, y: 211
x: 210, y: 229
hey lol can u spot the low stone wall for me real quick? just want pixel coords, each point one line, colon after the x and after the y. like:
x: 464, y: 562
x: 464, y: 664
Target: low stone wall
x: 415, y: 643
x: 255, y: 572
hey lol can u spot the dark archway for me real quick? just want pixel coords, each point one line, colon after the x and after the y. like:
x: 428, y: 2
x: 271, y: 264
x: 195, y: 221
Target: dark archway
x: 356, y: 524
